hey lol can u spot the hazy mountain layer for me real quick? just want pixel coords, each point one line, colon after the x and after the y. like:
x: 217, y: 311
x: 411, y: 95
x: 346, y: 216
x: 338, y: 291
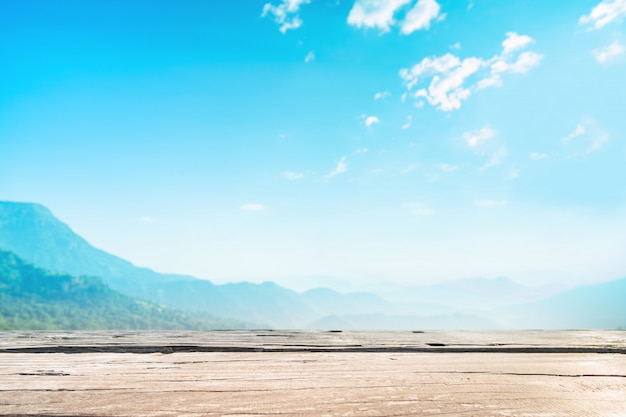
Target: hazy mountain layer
x: 598, y: 306
x: 32, y: 298
x: 33, y: 233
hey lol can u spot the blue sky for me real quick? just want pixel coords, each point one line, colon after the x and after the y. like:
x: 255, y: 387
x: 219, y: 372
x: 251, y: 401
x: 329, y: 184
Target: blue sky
x: 360, y: 143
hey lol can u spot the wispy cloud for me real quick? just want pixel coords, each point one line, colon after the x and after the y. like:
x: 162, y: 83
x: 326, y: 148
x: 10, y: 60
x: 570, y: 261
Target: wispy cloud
x: 408, y: 122
x: 292, y: 176
x: 513, y: 174
x: 361, y: 151
x: 495, y: 159
x: 450, y: 76
x: 578, y: 131
x: 605, y: 54
x: 310, y: 57
x: 420, y: 16
x: 285, y: 13
x: 603, y: 13
x: 381, y: 14
x: 374, y: 13
x: 587, y: 137
x: 371, y: 120
x: 506, y: 62
x: 598, y: 142
x: 342, y: 167
x: 448, y: 167
x: 253, y: 207
x: 381, y: 95
x: 514, y: 42
x: 476, y: 137
x: 537, y: 156
x: 146, y: 219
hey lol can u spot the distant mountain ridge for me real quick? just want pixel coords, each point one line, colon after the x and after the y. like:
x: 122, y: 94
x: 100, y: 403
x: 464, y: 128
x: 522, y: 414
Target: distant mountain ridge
x: 598, y: 306
x: 33, y: 233
x: 35, y: 299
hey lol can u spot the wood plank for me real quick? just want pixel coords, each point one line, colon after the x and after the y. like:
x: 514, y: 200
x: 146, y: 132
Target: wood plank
x: 388, y: 382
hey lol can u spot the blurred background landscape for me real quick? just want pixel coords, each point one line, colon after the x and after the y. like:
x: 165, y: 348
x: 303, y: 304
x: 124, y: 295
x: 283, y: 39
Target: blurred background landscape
x: 312, y: 164
x: 51, y: 278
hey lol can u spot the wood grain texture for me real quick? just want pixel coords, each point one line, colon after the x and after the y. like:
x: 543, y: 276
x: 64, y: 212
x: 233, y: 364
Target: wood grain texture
x: 390, y: 382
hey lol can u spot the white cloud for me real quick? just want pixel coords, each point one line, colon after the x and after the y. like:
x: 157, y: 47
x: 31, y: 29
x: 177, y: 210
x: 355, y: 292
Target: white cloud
x: 381, y: 95
x: 524, y: 63
x: 579, y: 131
x: 476, y: 137
x: 342, y: 166
x: 604, y: 13
x: 309, y: 57
x: 587, y: 137
x: 285, y: 13
x: 446, y: 90
x: 494, y: 80
x: 491, y: 203
x: 374, y: 13
x: 514, y: 42
x: 146, y: 219
x: 605, y: 54
x: 447, y: 76
x: 598, y: 142
x: 428, y: 67
x: 456, y: 46
x: 380, y: 14
x: 495, y: 159
x: 370, y: 120
x: 536, y: 156
x: 408, y: 122
x: 252, y: 207
x: 420, y: 16
x: 293, y: 175
x: 361, y: 150
x: 448, y: 167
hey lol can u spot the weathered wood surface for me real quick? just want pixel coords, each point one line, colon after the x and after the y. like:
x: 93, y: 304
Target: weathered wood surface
x: 313, y: 373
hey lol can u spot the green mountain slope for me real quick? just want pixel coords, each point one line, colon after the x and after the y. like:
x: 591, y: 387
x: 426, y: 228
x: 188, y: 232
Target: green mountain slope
x: 32, y: 298
x: 32, y: 232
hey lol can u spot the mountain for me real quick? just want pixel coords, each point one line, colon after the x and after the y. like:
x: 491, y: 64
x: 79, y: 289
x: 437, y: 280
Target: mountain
x: 33, y: 298
x: 597, y: 306
x: 32, y: 232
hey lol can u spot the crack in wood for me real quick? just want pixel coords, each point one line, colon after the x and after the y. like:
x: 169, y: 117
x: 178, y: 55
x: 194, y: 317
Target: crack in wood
x: 433, y: 348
